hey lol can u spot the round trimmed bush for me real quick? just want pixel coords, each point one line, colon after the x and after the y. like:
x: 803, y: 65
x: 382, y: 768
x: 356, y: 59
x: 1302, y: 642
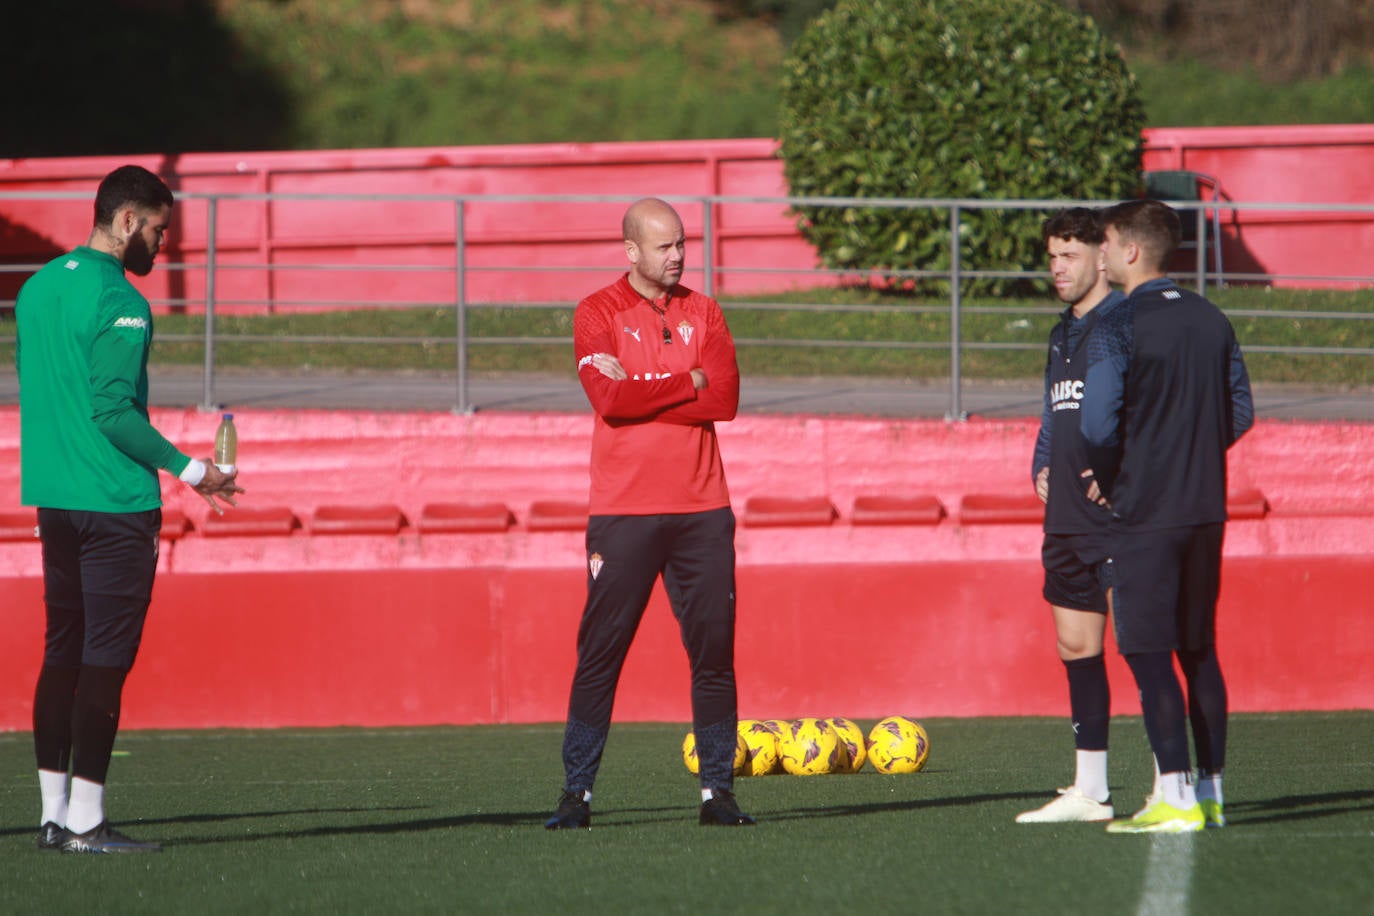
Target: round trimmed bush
x: 1011, y: 99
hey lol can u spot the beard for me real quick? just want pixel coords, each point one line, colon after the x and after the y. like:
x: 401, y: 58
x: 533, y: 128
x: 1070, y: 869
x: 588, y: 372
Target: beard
x: 138, y: 258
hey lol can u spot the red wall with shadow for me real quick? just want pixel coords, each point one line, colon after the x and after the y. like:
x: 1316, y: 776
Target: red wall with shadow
x: 755, y: 247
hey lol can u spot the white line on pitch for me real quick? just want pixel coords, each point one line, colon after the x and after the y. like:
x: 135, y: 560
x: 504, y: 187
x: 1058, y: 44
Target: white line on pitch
x: 1168, y: 877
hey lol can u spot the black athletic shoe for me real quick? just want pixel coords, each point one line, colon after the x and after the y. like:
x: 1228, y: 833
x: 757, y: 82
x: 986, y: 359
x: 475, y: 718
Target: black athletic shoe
x: 573, y: 813
x: 102, y: 839
x: 51, y: 837
x: 721, y: 810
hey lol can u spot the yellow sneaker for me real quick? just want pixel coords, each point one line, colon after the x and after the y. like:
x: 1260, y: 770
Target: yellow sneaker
x: 1161, y: 817
x: 1212, y: 812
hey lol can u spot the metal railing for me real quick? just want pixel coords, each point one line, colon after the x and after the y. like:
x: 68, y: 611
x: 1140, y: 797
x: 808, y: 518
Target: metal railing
x: 462, y: 269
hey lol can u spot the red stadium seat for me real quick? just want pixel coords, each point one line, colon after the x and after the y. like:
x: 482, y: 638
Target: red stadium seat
x: 555, y: 515
x: 449, y: 518
x: 1246, y: 504
x: 257, y: 522
x: 175, y: 525
x: 19, y: 525
x: 783, y: 511
x: 896, y: 510
x: 1001, y: 509
x: 378, y: 519
x: 22, y: 525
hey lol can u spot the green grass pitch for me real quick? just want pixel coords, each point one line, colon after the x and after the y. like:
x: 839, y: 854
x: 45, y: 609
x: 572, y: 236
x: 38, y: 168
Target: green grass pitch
x: 450, y: 820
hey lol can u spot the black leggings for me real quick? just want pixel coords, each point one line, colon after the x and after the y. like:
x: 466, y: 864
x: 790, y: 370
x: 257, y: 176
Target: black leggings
x: 695, y: 555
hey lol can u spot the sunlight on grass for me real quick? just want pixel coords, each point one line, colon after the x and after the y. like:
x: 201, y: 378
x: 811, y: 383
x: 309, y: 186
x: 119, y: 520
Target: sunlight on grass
x: 874, y: 333
x: 843, y: 332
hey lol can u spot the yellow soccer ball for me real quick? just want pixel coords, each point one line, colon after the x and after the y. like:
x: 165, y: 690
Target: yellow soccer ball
x: 898, y: 745
x: 741, y: 754
x: 777, y: 726
x: 853, y: 749
x: 810, y: 747
x: 761, y: 745
x: 689, y: 754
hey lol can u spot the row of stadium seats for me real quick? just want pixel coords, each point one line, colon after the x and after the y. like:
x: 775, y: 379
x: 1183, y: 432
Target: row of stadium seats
x: 552, y: 515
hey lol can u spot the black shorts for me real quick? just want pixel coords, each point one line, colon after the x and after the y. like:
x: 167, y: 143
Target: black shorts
x: 1165, y: 584
x: 97, y: 581
x: 1073, y: 571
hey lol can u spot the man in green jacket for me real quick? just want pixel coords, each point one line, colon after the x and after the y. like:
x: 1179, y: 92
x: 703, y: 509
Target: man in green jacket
x: 89, y: 461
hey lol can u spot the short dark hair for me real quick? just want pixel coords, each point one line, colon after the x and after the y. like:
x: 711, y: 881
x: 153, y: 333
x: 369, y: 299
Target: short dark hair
x: 129, y: 184
x: 1152, y: 225
x: 1080, y: 224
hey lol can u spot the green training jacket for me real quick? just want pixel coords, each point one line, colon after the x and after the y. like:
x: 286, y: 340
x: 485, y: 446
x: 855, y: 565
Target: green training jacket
x: 82, y: 354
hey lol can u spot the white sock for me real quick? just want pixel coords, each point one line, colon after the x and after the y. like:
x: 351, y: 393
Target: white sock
x: 1210, y: 787
x: 53, y: 787
x: 707, y: 795
x: 1091, y: 775
x: 1157, y: 788
x: 1178, y: 789
x: 87, y: 809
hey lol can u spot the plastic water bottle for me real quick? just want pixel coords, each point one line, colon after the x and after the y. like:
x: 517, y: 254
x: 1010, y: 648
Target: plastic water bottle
x: 226, y: 444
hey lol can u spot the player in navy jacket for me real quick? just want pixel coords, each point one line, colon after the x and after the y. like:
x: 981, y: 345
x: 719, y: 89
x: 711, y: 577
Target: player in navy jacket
x: 1075, y: 543
x: 1166, y: 395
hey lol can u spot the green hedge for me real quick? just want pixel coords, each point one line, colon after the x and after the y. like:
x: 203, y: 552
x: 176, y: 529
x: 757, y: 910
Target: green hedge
x: 952, y: 99
x: 788, y: 16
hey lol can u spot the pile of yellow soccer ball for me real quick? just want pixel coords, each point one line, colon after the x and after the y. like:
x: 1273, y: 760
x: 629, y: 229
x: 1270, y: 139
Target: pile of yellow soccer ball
x: 811, y: 747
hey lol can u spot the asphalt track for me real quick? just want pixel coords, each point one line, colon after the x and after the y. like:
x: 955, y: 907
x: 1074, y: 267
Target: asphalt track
x: 184, y: 387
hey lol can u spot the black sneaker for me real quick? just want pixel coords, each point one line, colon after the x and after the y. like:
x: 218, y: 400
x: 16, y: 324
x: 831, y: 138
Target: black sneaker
x: 51, y: 836
x: 102, y: 839
x: 573, y: 813
x: 721, y: 810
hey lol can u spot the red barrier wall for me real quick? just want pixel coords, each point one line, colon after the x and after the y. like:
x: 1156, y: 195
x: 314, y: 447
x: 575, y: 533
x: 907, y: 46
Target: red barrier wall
x: 287, y: 233
x: 836, y: 617
x: 1304, y: 164
x: 1292, y: 164
x: 411, y: 647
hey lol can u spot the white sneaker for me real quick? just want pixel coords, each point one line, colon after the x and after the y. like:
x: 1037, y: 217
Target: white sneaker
x: 1070, y: 807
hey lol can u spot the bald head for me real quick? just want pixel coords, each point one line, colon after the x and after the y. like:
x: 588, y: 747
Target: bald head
x: 656, y: 245
x: 643, y: 212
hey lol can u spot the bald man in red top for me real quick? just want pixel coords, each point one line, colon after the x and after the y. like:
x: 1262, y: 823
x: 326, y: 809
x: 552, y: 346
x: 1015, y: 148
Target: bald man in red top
x: 658, y: 365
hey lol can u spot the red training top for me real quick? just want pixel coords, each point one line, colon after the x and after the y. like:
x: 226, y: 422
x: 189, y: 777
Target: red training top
x: 654, y: 449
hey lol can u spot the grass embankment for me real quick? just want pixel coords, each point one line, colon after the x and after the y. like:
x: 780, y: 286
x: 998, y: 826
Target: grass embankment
x: 307, y: 74
x: 370, y: 73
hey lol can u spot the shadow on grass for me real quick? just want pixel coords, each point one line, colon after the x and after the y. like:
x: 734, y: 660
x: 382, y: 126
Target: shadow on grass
x: 910, y: 804
x: 220, y: 817
x: 615, y: 817
x: 1280, y: 809
x: 1286, y: 808
x: 421, y: 825
x: 1275, y: 810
